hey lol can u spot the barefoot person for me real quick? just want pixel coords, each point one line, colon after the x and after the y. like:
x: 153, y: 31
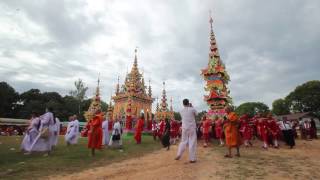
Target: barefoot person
x: 189, y: 135
x: 95, y: 132
x: 231, y: 132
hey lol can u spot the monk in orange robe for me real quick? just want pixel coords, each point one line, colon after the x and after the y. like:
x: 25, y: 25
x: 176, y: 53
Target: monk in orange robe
x: 231, y: 132
x: 95, y: 132
x: 139, y: 129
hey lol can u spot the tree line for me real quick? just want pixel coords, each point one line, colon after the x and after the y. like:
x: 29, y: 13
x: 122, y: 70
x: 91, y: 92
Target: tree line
x: 15, y: 105
x: 304, y: 98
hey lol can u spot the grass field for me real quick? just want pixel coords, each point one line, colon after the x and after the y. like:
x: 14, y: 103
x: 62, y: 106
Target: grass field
x: 16, y: 165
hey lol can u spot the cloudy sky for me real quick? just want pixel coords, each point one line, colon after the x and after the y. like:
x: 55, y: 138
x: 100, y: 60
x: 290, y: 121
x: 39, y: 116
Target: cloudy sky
x: 269, y: 47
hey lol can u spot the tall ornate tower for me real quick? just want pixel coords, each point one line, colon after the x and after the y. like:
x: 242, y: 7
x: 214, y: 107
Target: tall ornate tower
x: 163, y: 111
x: 216, y: 78
x: 95, y: 104
x: 133, y: 97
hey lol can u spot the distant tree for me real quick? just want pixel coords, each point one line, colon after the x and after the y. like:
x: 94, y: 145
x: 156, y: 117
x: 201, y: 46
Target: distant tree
x: 252, y: 108
x: 8, y: 100
x: 79, y: 93
x: 200, y: 115
x: 305, y: 98
x: 280, y: 107
x: 177, y: 116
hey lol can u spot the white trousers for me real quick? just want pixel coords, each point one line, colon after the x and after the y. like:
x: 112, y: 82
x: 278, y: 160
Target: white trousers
x: 189, y: 137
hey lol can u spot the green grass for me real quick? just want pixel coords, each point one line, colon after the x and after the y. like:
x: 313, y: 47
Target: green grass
x: 15, y: 165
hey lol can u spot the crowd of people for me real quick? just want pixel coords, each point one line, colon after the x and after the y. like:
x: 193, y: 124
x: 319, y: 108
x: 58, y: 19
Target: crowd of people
x: 230, y: 131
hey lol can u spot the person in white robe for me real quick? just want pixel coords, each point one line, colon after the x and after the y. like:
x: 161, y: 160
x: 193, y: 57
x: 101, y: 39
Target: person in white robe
x: 56, y: 130
x: 71, y: 134
x: 189, y: 135
x: 77, y: 128
x: 45, y: 138
x: 116, y: 139
x: 31, y: 133
x: 105, y: 131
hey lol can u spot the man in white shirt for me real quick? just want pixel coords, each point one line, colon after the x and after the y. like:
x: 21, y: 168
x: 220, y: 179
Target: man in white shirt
x: 189, y: 135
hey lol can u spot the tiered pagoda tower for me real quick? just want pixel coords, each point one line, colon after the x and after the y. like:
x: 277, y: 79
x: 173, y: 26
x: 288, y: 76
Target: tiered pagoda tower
x: 216, y: 78
x: 95, y: 104
x: 163, y: 111
x: 133, y: 97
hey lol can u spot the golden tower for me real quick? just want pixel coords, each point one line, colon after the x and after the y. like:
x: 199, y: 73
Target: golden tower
x: 132, y: 97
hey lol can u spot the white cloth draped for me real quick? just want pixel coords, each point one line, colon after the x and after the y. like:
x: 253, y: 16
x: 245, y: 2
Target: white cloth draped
x: 105, y: 130
x: 41, y: 144
x: 30, y: 135
x: 72, y: 134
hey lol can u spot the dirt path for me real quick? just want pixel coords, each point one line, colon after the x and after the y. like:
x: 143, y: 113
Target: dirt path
x: 255, y: 163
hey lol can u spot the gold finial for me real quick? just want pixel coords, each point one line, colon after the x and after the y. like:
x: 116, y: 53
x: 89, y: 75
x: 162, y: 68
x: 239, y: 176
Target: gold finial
x: 99, y: 80
x: 211, y: 20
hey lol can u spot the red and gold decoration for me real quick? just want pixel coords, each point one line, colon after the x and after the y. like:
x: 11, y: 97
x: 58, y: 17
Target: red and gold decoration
x: 95, y: 104
x: 216, y: 78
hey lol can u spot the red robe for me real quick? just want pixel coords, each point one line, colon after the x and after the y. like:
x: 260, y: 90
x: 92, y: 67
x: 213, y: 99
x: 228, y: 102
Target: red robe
x: 139, y: 129
x: 273, y: 128
x: 174, y: 129
x: 262, y: 129
x: 206, y: 125
x: 218, y: 128
x: 245, y: 129
x: 95, y: 132
x: 161, y: 129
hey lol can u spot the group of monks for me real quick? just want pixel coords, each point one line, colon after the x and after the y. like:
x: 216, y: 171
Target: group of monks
x: 234, y: 131
x: 158, y: 129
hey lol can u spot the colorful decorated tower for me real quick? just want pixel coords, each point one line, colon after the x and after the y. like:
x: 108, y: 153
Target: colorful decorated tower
x: 95, y: 104
x: 216, y: 78
x: 163, y: 111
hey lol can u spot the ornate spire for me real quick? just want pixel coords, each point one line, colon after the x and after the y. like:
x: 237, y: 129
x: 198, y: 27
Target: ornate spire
x: 157, y: 107
x: 216, y: 78
x: 118, y: 86
x: 171, y: 107
x: 150, y: 90
x: 98, y: 87
x: 95, y: 103
x: 164, y: 105
x: 135, y: 63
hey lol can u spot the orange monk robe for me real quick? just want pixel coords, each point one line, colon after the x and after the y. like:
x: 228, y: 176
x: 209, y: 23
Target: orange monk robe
x: 231, y: 130
x: 139, y: 129
x: 95, y: 132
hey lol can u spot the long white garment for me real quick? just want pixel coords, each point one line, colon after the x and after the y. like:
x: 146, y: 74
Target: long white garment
x: 189, y: 135
x: 77, y: 130
x: 71, y: 136
x: 31, y: 134
x: 116, y: 128
x: 105, y: 129
x: 56, y: 129
x: 41, y: 144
